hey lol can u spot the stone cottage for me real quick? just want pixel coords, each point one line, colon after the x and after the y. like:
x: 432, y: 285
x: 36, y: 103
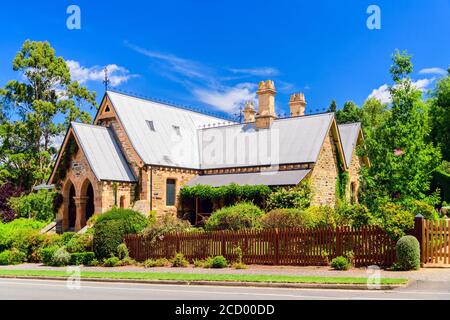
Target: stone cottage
x: 139, y: 153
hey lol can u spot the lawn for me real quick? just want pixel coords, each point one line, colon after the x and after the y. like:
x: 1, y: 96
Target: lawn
x: 200, y: 277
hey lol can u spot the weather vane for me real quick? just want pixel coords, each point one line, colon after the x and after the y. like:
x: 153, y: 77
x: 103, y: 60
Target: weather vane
x: 106, y: 80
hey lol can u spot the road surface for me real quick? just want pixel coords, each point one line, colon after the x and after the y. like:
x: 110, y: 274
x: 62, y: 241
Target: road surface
x: 12, y: 289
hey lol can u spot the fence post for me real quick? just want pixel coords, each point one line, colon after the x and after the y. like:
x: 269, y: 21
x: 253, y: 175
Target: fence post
x: 419, y: 227
x: 339, y: 249
x: 277, y: 247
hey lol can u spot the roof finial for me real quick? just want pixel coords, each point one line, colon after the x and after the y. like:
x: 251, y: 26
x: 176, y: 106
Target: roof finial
x: 106, y: 80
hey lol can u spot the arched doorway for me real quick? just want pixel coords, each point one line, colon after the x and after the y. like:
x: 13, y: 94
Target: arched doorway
x: 72, y: 212
x: 90, y: 207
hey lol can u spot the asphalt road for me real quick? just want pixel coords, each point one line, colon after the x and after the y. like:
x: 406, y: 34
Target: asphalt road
x: 15, y: 289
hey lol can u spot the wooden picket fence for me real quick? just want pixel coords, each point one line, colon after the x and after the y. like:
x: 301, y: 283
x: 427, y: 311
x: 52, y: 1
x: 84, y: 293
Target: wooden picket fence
x: 435, y: 242
x: 370, y: 245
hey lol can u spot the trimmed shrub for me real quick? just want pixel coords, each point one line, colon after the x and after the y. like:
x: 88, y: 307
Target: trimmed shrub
x: 240, y: 216
x: 112, y: 226
x: 396, y: 221
x: 153, y: 263
x: 219, y: 262
x: 425, y: 209
x: 179, y: 261
x: 60, y: 258
x: 80, y: 243
x: 408, y: 253
x: 82, y: 258
x: 356, y: 215
x: 322, y: 216
x: 111, y: 262
x: 12, y: 257
x: 340, y: 263
x: 46, y: 254
x: 122, y: 251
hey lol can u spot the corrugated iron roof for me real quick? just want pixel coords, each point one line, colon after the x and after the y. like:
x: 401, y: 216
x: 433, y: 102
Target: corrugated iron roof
x: 173, y: 142
x: 349, y: 138
x: 275, y: 178
x: 290, y: 140
x: 103, y: 153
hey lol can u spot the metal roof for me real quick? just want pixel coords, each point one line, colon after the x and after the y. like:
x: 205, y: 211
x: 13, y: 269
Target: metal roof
x: 290, y: 140
x: 274, y: 178
x: 174, y: 140
x: 103, y: 153
x: 349, y: 138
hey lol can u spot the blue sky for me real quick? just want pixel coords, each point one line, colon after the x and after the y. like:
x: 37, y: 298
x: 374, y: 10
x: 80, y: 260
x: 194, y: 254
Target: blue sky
x: 211, y: 54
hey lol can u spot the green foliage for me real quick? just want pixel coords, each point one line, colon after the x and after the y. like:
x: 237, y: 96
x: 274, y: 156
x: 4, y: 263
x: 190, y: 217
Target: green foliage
x: 230, y: 193
x: 66, y: 237
x: 179, y: 261
x: 122, y: 251
x: 288, y: 218
x: 164, y: 224
x: 425, y: 209
x: 322, y: 216
x: 111, y: 262
x: 12, y: 257
x: 402, y: 158
x: 219, y: 262
x: 60, y: 258
x: 21, y: 234
x: 46, y: 254
x: 350, y: 113
x: 112, y: 226
x: 356, y: 215
x: 408, y: 253
x: 441, y: 180
x: 396, y: 221
x: 34, y: 103
x: 80, y: 243
x: 153, y: 263
x: 127, y: 261
x: 239, y: 265
x: 240, y: 216
x: 295, y: 197
x: 440, y: 116
x: 82, y: 258
x: 340, y: 263
x: 36, y: 205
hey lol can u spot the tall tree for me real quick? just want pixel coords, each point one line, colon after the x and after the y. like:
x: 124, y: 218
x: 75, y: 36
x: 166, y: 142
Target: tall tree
x: 402, y: 158
x: 349, y: 113
x: 332, y: 107
x: 34, y: 107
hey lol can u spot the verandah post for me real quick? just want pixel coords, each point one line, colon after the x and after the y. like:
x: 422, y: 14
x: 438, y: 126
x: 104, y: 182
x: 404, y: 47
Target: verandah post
x: 419, y: 228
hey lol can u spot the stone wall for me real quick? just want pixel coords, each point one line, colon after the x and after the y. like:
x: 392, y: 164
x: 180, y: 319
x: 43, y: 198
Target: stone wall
x: 159, y: 178
x: 324, y: 174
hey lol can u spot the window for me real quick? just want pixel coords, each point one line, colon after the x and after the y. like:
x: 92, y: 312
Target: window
x: 150, y: 125
x: 107, y: 109
x: 170, y: 192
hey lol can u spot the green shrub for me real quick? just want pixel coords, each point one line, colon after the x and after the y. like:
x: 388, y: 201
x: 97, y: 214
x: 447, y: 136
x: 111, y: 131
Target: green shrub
x: 321, y: 216
x: 12, y: 257
x: 122, y: 251
x: 153, y: 263
x: 294, y: 197
x: 425, y: 209
x: 46, y: 254
x: 356, y: 215
x: 408, y: 253
x: 36, y: 205
x: 396, y: 221
x: 111, y: 262
x: 199, y: 263
x: 112, y: 226
x: 240, y: 216
x: 340, y: 263
x: 60, y: 258
x: 127, y: 261
x: 18, y: 233
x: 66, y: 237
x: 290, y: 218
x: 179, y: 261
x: 239, y: 265
x: 164, y: 224
x: 219, y: 262
x: 79, y: 243
x: 82, y: 258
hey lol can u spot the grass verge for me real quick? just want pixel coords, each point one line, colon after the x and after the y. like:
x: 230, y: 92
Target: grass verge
x: 200, y: 277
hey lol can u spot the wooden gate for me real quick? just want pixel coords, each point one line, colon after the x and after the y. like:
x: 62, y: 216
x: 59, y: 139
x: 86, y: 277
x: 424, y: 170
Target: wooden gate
x: 436, y: 242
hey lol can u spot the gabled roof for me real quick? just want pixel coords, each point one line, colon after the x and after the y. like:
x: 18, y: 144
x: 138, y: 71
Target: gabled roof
x: 289, y: 140
x: 173, y: 142
x: 349, y: 137
x: 103, y: 153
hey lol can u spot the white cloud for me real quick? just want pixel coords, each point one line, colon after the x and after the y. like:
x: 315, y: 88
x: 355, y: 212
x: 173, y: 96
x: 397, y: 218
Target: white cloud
x: 263, y: 72
x: 383, y: 95
x: 116, y: 74
x: 228, y: 99
x: 434, y: 70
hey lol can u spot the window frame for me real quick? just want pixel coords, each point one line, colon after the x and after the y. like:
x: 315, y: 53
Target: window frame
x: 174, y: 192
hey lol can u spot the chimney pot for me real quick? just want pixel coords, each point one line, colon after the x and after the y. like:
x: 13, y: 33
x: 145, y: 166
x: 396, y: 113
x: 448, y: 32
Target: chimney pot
x: 249, y: 112
x: 297, y: 104
x: 266, y: 104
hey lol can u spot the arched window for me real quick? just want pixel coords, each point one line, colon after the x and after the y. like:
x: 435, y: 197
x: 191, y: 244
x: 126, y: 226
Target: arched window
x: 170, y: 192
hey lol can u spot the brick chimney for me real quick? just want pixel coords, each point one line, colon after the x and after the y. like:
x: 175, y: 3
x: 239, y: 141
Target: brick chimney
x: 297, y: 104
x: 249, y: 112
x: 266, y: 104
